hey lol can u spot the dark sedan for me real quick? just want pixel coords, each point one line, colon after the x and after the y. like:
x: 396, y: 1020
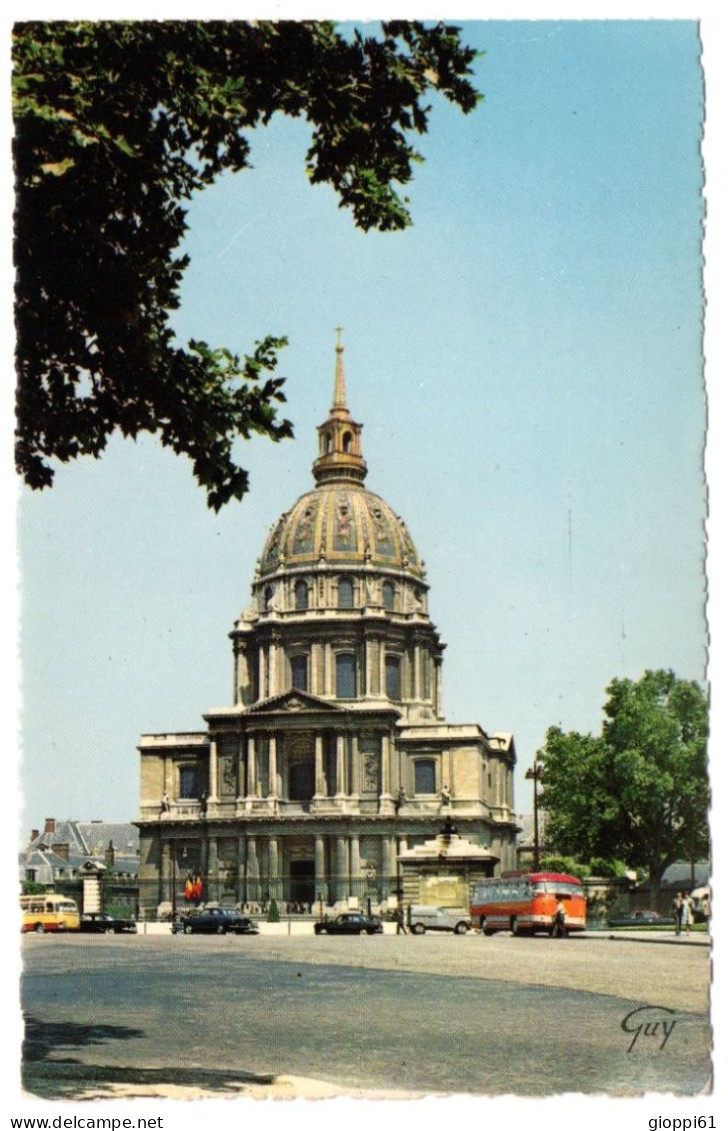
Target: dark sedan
x: 350, y: 924
x: 99, y: 923
x: 216, y: 921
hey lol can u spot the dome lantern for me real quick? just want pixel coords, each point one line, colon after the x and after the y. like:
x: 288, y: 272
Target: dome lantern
x: 340, y: 459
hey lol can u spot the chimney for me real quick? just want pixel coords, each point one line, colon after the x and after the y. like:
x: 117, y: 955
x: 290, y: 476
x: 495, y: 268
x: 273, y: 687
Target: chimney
x: 34, y: 834
x: 50, y: 824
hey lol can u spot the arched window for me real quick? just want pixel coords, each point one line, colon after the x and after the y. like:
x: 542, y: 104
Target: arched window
x: 301, y: 595
x: 346, y: 593
x: 299, y: 672
x: 388, y: 595
x: 328, y: 441
x: 347, y: 442
x: 425, y: 775
x: 393, y: 673
x: 267, y: 596
x: 345, y: 676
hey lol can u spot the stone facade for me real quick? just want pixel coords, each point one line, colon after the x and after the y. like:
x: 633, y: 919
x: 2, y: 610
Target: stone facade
x: 334, y: 757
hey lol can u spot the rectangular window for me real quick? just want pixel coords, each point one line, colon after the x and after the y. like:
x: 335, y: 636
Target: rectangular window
x: 299, y: 672
x: 189, y: 783
x: 393, y: 672
x: 425, y: 776
x: 345, y: 676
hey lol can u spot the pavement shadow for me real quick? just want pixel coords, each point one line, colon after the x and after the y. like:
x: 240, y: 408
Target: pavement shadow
x: 42, y: 1038
x: 47, y: 1072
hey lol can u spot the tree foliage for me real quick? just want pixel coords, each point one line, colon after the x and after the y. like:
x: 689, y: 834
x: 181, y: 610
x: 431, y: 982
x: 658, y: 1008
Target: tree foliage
x: 117, y: 125
x: 639, y: 791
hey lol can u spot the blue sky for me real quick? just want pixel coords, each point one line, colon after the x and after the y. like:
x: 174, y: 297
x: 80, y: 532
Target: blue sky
x: 526, y: 361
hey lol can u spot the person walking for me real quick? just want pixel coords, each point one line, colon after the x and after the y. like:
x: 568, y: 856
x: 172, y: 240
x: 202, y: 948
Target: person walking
x: 677, y: 912
x: 686, y: 914
x: 558, y: 929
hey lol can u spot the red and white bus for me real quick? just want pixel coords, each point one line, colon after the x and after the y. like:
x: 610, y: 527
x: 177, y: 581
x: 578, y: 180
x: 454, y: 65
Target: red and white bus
x: 525, y: 902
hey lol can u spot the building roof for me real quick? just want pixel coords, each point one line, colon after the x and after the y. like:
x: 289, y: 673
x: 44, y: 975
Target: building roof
x: 65, y: 846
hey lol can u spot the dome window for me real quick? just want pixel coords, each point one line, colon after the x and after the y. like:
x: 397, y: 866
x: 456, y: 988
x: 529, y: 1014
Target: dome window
x: 301, y: 595
x: 345, y: 676
x: 393, y: 675
x: 346, y: 593
x: 388, y: 595
x: 299, y: 673
x: 267, y: 596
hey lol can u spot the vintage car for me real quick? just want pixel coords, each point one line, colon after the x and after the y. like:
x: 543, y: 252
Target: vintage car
x: 643, y: 918
x: 351, y: 923
x: 424, y: 918
x: 215, y: 921
x: 99, y: 923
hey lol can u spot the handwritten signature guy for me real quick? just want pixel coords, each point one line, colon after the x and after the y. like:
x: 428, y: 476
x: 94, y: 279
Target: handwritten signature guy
x: 640, y: 1026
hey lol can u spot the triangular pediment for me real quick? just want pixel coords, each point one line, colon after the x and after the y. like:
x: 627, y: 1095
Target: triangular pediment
x: 293, y: 701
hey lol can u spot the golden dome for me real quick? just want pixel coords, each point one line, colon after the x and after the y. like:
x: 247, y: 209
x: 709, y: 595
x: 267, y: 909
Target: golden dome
x: 340, y: 524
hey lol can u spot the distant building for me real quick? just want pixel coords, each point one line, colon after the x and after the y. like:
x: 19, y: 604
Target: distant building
x: 58, y: 853
x: 334, y: 758
x: 525, y: 842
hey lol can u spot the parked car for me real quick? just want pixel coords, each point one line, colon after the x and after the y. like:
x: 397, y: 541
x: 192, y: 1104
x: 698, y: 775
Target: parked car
x: 422, y: 918
x: 640, y: 918
x: 349, y: 924
x: 215, y: 921
x: 99, y: 923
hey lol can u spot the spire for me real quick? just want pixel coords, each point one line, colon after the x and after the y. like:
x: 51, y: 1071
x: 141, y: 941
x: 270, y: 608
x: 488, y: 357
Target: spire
x: 340, y: 457
x: 339, y: 377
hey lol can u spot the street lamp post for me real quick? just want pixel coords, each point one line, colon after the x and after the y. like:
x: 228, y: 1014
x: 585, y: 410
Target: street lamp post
x: 535, y: 773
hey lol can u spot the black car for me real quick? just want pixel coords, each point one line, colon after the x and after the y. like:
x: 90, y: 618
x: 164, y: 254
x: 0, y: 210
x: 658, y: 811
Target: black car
x: 99, y: 923
x: 216, y: 921
x: 349, y: 924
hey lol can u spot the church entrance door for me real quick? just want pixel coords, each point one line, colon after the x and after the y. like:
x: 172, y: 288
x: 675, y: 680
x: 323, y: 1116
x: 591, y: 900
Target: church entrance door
x: 302, y: 881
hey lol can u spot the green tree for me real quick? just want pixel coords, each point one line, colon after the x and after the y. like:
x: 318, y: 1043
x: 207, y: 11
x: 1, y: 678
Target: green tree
x: 117, y: 124
x: 639, y: 791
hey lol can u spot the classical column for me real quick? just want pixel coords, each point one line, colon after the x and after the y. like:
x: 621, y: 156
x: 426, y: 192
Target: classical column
x: 272, y: 767
x: 417, y: 689
x: 252, y: 782
x: 355, y: 858
x: 253, y: 868
x: 386, y: 767
x: 389, y: 865
x: 213, y: 884
x: 355, y: 781
x: 319, y: 868
x: 342, y: 868
x: 241, y: 776
x: 274, y: 868
x: 438, y: 686
x: 213, y: 769
x: 320, y: 788
x: 340, y: 776
x: 166, y: 872
x: 367, y: 667
x: 275, y: 666
x: 242, y: 884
